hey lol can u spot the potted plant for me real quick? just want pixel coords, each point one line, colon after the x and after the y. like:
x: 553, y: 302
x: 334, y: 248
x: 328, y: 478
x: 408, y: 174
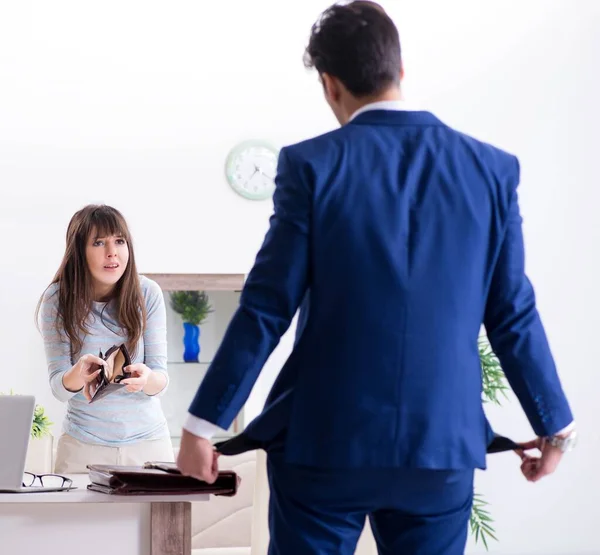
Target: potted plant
x: 40, y: 427
x: 494, y: 387
x: 194, y: 307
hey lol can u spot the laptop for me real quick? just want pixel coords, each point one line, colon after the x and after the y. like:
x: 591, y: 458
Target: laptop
x: 16, y: 417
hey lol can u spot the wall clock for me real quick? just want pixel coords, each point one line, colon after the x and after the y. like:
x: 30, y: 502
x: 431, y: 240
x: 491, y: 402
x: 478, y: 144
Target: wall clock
x: 250, y: 169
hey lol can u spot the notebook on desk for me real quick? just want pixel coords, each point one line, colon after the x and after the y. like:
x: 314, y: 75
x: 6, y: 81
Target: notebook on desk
x: 156, y: 478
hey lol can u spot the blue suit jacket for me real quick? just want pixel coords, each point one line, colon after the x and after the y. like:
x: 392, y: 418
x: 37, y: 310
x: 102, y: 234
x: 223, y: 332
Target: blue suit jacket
x: 408, y: 235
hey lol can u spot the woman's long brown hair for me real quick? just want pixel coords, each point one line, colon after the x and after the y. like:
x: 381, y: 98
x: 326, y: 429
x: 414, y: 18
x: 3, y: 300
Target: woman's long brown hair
x: 75, y: 289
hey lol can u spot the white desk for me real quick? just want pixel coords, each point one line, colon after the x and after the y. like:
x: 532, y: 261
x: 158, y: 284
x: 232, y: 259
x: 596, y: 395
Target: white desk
x: 83, y: 521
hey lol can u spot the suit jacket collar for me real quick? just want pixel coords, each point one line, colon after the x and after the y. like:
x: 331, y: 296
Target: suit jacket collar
x: 396, y: 117
x: 399, y: 105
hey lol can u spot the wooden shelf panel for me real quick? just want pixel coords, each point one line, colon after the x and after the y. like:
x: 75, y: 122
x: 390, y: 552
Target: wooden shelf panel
x: 198, y: 282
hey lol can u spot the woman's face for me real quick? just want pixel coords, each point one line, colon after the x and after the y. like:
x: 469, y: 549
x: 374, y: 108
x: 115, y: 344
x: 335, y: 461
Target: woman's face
x: 107, y: 259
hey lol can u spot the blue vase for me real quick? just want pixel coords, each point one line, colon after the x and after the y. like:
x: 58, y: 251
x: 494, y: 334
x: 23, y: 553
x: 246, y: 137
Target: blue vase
x: 191, y: 342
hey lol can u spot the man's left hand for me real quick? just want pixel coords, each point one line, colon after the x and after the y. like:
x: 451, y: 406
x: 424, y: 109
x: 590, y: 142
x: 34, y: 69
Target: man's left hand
x: 198, y: 458
x: 535, y: 468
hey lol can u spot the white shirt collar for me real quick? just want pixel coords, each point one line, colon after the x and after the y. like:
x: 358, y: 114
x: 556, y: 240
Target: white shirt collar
x: 395, y: 105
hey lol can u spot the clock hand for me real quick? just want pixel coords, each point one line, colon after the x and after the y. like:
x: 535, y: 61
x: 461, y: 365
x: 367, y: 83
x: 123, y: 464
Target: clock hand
x: 263, y: 173
x: 250, y: 178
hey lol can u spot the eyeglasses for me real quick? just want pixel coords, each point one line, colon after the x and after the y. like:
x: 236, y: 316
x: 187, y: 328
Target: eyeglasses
x: 46, y: 480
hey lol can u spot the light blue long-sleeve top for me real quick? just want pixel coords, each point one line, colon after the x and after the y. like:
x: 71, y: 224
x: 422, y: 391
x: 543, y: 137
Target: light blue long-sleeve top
x: 120, y: 418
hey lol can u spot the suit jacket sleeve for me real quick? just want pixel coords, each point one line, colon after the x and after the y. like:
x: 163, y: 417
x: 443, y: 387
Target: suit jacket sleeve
x: 516, y: 333
x: 271, y: 296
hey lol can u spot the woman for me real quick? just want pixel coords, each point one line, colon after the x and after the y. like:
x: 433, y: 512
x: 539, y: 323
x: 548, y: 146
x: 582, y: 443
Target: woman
x: 97, y: 300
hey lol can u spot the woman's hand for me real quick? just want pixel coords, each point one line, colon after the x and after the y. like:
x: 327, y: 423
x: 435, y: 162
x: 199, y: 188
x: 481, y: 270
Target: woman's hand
x: 140, y: 374
x: 83, y: 375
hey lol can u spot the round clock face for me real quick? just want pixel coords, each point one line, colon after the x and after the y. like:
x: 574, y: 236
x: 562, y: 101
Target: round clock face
x: 251, y: 168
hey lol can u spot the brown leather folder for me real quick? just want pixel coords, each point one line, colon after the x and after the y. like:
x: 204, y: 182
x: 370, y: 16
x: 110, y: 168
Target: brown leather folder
x: 109, y: 380
x: 156, y: 478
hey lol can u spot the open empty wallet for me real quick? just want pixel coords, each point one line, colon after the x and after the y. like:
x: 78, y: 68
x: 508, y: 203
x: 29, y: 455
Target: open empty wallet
x: 109, y: 380
x: 156, y: 478
x: 242, y: 443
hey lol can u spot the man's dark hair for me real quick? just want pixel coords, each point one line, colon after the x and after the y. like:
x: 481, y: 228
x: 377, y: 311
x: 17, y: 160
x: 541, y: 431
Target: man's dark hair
x: 359, y: 44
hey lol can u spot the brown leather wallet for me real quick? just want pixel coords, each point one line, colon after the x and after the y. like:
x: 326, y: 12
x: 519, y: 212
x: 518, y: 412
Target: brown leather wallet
x: 109, y: 380
x: 156, y: 478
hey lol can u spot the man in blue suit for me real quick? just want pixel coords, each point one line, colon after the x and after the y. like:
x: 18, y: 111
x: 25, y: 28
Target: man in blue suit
x: 402, y: 236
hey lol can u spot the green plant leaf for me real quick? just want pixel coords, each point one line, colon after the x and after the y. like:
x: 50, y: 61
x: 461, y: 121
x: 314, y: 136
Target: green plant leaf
x: 41, y: 424
x: 481, y: 521
x: 494, y: 388
x: 492, y: 376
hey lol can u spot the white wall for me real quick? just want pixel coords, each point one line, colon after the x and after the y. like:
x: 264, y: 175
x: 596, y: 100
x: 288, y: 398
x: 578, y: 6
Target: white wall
x: 136, y: 103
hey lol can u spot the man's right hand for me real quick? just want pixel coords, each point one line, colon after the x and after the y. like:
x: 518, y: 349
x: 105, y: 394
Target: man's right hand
x: 197, y: 458
x: 535, y: 468
x: 83, y: 375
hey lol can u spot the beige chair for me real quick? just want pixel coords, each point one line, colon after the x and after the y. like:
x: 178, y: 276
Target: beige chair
x: 260, y: 524
x: 222, y: 526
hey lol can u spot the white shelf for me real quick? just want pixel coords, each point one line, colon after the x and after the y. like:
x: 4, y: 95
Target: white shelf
x: 189, y: 365
x: 185, y: 377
